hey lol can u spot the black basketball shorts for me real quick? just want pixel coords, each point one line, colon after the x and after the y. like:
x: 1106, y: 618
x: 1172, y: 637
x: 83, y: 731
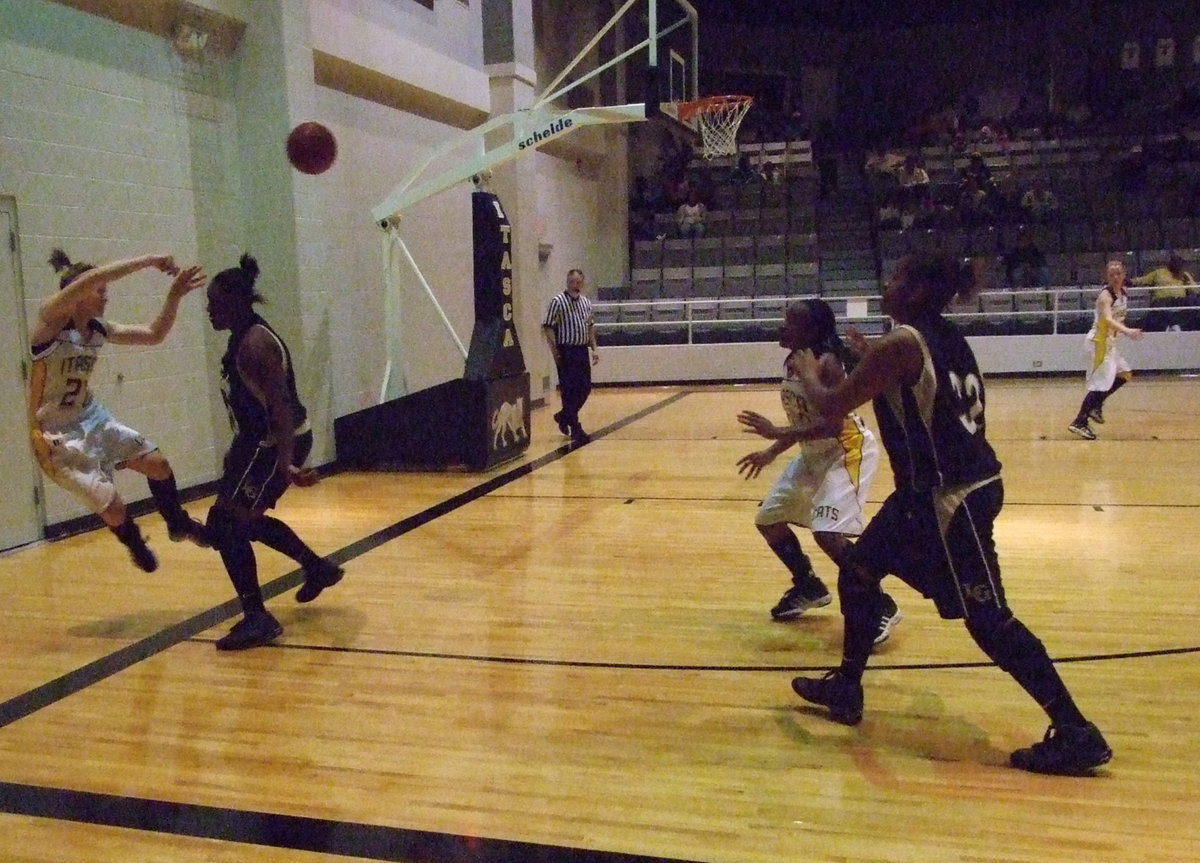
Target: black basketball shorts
x: 251, y: 478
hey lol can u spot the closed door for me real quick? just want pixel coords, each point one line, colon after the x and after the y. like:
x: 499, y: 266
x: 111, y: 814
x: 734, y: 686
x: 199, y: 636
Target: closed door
x: 20, y: 511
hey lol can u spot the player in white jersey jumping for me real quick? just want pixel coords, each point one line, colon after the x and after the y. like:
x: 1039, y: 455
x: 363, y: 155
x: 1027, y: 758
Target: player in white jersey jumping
x: 824, y: 488
x: 1109, y: 371
x: 76, y: 440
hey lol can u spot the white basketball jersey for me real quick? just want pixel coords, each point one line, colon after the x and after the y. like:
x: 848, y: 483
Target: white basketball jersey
x: 1100, y: 331
x: 803, y: 416
x: 62, y: 369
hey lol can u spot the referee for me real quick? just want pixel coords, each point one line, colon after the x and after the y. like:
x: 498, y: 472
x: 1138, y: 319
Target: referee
x: 570, y: 331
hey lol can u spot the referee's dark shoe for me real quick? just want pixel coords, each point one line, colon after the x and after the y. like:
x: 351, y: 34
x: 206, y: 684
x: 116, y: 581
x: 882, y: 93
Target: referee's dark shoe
x: 843, y: 697
x: 562, y: 423
x: 1066, y: 750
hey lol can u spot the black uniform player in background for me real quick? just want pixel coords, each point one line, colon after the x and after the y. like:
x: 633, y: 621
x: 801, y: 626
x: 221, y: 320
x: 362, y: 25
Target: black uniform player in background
x: 271, y: 440
x: 935, y: 530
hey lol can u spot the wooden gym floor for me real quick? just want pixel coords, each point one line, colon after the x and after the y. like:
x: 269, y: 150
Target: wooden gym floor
x: 570, y: 659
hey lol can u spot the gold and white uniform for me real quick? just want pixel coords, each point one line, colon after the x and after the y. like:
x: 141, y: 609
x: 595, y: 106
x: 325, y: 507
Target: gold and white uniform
x: 1107, y: 362
x: 824, y: 488
x: 77, y: 442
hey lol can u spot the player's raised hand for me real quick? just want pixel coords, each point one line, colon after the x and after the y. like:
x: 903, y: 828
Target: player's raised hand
x: 756, y: 423
x: 187, y: 280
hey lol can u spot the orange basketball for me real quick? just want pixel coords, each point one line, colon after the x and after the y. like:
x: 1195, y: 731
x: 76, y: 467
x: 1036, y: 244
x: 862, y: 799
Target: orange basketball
x: 311, y: 148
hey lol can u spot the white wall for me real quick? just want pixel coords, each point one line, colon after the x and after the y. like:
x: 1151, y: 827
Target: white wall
x: 97, y: 152
x: 114, y: 146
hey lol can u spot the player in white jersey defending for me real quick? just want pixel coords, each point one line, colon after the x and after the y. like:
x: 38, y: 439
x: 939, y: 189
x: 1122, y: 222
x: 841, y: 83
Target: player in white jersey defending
x: 76, y: 440
x: 824, y: 488
x: 1109, y: 371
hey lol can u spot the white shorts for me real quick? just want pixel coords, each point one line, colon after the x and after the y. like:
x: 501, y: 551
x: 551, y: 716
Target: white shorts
x: 82, y: 456
x: 1107, y: 363
x: 824, y: 489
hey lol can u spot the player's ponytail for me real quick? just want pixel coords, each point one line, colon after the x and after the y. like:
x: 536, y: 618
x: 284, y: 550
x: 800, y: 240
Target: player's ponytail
x: 828, y: 340
x: 67, y: 270
x: 239, y: 281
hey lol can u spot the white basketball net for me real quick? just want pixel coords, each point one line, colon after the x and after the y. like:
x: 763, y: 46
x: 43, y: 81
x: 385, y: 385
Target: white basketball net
x: 718, y: 119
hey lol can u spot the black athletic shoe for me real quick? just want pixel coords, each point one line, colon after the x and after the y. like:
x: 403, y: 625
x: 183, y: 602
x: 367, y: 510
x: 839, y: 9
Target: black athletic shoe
x: 843, y: 697
x: 562, y: 423
x: 1066, y: 750
x: 579, y: 436
x: 143, y: 557
x: 189, y: 530
x: 253, y: 630
x: 317, y: 578
x: 887, y: 620
x: 799, y: 598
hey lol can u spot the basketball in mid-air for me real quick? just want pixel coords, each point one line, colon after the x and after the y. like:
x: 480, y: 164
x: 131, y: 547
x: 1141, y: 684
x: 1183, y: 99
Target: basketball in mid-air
x: 311, y: 148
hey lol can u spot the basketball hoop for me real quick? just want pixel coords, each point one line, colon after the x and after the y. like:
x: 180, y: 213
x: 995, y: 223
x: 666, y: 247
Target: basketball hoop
x: 717, y: 118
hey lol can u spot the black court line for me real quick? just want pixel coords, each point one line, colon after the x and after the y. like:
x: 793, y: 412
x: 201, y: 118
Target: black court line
x: 264, y: 828
x: 674, y: 667
x: 369, y: 841
x: 364, y: 841
x: 116, y: 662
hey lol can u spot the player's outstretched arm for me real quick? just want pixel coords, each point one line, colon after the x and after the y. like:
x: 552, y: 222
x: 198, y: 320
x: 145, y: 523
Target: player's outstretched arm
x: 153, y: 332
x: 57, y: 310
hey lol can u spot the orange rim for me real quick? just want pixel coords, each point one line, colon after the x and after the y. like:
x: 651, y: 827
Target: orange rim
x: 687, y: 110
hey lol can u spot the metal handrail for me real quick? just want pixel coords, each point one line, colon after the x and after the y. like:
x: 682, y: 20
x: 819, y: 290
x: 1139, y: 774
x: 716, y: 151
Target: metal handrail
x: 1055, y: 312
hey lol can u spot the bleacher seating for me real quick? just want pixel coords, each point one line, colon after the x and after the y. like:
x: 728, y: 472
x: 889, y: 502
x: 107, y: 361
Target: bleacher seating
x: 764, y: 242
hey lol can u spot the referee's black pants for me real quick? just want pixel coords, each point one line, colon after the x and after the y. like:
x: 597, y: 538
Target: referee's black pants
x: 574, y: 382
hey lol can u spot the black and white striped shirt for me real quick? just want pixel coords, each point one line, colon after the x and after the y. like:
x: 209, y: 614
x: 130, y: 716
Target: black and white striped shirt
x: 570, y: 318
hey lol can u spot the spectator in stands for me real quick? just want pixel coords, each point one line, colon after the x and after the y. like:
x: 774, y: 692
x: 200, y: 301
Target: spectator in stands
x: 1173, y: 286
x: 976, y: 169
x: 1038, y: 203
x: 744, y: 173
x: 1025, y: 264
x: 974, y: 206
x: 913, y: 179
x: 689, y: 217
x: 675, y: 189
x: 888, y: 214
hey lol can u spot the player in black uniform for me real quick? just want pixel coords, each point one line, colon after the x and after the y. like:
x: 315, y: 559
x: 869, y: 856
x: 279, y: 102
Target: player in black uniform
x: 271, y: 440
x: 935, y: 530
